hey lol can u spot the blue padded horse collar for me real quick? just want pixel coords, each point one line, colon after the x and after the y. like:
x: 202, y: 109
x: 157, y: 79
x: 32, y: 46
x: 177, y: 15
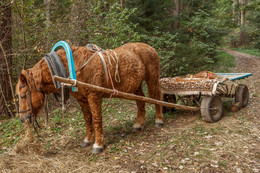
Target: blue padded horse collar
x: 70, y: 60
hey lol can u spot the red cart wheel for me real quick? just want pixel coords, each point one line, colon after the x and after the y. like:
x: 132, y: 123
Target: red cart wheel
x: 211, y: 108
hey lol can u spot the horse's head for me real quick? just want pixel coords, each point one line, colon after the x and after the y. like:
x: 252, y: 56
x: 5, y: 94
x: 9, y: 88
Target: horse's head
x: 31, y: 97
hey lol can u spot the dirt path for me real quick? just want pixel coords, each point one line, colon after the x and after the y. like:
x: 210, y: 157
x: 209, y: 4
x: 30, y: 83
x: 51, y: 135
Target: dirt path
x: 185, y: 144
x: 249, y: 64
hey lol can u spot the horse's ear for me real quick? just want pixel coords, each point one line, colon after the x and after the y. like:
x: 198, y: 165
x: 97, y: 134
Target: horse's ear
x: 22, y: 77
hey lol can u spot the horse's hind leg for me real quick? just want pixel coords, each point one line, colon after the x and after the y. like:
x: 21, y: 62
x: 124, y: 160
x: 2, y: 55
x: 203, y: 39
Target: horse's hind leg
x: 154, y: 91
x: 88, y: 121
x: 140, y: 119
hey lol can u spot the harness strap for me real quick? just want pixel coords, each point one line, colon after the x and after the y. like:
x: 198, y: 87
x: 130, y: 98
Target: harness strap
x: 104, y: 63
x: 91, y: 57
x: 102, y: 59
x: 99, y: 51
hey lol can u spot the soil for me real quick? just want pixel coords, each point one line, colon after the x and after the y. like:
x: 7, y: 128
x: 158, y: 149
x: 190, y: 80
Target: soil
x: 185, y: 143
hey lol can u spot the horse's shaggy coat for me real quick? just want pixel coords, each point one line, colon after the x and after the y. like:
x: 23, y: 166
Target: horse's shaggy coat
x: 137, y: 62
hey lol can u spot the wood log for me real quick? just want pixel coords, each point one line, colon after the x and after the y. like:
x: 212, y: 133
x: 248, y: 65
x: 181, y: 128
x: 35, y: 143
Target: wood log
x: 124, y: 94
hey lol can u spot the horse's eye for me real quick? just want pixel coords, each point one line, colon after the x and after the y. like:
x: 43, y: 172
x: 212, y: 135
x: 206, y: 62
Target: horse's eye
x: 23, y: 97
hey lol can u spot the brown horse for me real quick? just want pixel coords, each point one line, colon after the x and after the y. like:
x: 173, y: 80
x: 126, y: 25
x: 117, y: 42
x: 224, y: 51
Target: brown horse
x: 137, y: 62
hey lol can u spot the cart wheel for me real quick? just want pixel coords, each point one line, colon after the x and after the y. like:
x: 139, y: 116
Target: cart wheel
x: 171, y: 98
x: 242, y: 95
x: 211, y: 108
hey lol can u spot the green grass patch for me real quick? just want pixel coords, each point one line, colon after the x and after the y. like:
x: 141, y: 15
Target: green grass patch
x: 10, y: 130
x: 223, y: 63
x: 254, y: 52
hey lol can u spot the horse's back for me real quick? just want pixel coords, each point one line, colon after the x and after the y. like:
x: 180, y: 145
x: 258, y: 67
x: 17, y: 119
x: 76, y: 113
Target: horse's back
x: 137, y: 62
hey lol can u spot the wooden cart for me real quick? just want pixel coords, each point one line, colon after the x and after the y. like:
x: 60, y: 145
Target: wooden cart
x: 206, y: 93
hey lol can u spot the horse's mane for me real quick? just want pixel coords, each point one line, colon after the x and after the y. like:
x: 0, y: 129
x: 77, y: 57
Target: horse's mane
x: 33, y: 77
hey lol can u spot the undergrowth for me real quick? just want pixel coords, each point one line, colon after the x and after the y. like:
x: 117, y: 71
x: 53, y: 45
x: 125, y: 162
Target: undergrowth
x: 224, y: 63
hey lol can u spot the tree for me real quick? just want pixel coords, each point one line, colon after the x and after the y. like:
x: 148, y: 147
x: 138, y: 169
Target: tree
x: 5, y: 56
x: 48, y: 19
x: 176, y: 13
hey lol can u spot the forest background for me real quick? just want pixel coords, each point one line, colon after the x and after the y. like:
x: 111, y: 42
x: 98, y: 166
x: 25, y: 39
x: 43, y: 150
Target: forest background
x: 185, y: 33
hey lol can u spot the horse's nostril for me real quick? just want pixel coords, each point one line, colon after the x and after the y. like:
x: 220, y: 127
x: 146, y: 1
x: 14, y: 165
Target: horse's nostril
x: 25, y: 117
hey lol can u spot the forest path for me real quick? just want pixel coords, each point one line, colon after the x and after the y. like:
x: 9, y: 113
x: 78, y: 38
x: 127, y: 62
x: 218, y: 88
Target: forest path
x: 246, y: 63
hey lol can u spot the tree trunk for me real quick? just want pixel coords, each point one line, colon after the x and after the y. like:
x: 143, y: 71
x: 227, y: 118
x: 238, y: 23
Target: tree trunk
x: 78, y: 17
x: 48, y: 21
x: 244, y: 36
x: 175, y: 14
x: 238, y: 13
x: 6, y: 41
x: 234, y: 10
x: 48, y: 12
x: 121, y: 2
x: 242, y: 12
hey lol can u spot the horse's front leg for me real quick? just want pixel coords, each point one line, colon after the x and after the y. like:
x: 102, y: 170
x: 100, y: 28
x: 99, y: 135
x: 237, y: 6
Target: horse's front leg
x: 89, y: 139
x: 95, y: 103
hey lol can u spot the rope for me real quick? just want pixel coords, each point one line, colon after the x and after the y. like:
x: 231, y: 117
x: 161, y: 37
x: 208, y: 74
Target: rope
x: 115, y: 91
x: 92, y: 56
x: 115, y: 58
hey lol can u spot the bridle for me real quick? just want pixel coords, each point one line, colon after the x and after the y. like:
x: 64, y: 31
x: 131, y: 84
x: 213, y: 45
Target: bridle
x: 31, y: 119
x: 30, y: 99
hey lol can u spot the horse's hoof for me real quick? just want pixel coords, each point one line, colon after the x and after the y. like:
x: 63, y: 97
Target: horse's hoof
x: 85, y: 144
x: 97, y: 150
x: 137, y: 129
x: 137, y: 126
x: 158, y: 123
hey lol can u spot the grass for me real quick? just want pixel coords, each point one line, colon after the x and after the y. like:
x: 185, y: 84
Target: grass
x: 181, y: 145
x: 118, y: 117
x: 223, y: 63
x: 10, y: 131
x: 254, y: 52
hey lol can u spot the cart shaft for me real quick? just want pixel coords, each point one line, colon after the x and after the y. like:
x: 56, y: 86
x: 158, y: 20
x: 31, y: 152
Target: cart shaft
x: 123, y: 94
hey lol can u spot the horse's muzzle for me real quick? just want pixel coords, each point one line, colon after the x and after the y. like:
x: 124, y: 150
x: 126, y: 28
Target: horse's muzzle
x: 26, y: 116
